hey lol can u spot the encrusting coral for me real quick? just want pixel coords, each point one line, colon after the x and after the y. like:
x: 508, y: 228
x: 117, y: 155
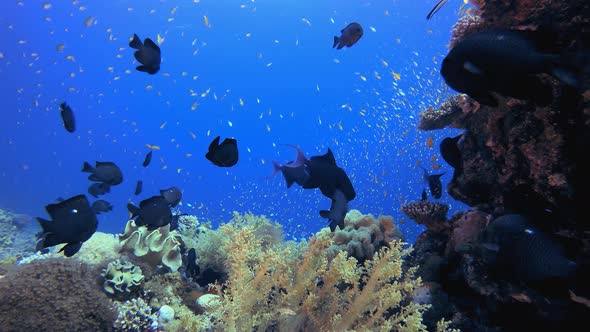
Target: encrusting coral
x: 54, y: 294
x: 135, y: 316
x: 294, y: 287
x: 432, y: 215
x: 155, y: 247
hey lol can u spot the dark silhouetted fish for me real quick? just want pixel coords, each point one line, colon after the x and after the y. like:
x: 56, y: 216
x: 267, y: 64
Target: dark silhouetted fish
x: 292, y: 175
x: 451, y: 153
x: 99, y: 188
x: 519, y: 251
x: 507, y: 62
x: 337, y: 211
x: 172, y: 196
x: 224, y: 154
x: 424, y: 196
x: 138, y: 187
x: 433, y: 183
x: 67, y: 116
x: 148, y: 54
x: 323, y: 173
x: 153, y: 212
x: 174, y: 222
x: 72, y: 221
x: 436, y: 9
x: 106, y: 172
x: 349, y: 36
x: 101, y: 205
x: 147, y: 159
x: 192, y: 269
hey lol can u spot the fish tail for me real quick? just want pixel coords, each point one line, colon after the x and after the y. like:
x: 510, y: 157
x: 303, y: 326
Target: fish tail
x: 87, y: 168
x: 134, y: 210
x: 135, y: 42
x: 336, y: 41
x: 276, y: 167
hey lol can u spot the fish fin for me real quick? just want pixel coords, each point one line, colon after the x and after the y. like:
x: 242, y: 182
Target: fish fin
x: 40, y: 245
x: 333, y: 224
x: 93, y: 177
x: 325, y: 214
x: 135, y: 42
x: 150, y: 44
x: 174, y: 222
x: 336, y: 41
x: 329, y: 157
x: 289, y: 182
x: 134, y: 210
x: 144, y: 69
x: 436, y: 9
x: 45, y: 224
x: 491, y: 246
x: 276, y: 167
x: 300, y: 159
x: 151, y: 228
x: 438, y: 175
x: 573, y: 68
x: 87, y: 168
x: 71, y: 249
x: 214, y: 144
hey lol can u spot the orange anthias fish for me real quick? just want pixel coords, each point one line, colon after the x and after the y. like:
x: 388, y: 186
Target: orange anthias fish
x: 349, y: 36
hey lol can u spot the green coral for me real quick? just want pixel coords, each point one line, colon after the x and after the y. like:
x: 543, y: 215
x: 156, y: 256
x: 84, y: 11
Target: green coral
x: 293, y: 286
x: 121, y: 278
x: 160, y: 246
x: 209, y: 245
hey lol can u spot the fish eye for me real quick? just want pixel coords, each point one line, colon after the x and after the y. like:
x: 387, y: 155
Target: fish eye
x: 74, y: 211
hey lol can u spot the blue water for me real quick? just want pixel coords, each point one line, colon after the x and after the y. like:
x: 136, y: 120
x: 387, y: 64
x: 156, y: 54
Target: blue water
x: 295, y: 89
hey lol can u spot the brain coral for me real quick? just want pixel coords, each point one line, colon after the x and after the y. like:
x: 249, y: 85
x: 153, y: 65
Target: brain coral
x: 363, y: 235
x: 121, y: 278
x: 154, y: 247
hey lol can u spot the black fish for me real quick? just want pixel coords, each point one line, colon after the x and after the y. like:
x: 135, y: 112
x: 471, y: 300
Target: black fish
x: 148, y: 54
x: 320, y: 172
x: 138, y: 187
x: 518, y: 250
x: 434, y: 183
x: 72, y: 221
x: 451, y: 153
x: 349, y: 36
x: 424, y: 196
x: 192, y: 269
x: 337, y: 212
x: 106, y: 172
x: 508, y: 62
x: 292, y: 175
x: 99, y: 188
x: 67, y: 116
x: 174, y: 222
x: 147, y: 159
x: 436, y: 9
x: 153, y: 212
x: 224, y: 154
x: 101, y: 206
x: 172, y: 196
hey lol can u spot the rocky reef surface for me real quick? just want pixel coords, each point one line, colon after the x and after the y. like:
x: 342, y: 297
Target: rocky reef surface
x: 518, y: 158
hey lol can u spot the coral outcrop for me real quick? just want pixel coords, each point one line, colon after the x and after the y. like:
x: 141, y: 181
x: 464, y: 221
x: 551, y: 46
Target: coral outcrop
x: 17, y: 234
x: 135, y: 315
x: 363, y: 235
x: 54, y: 295
x: 155, y: 247
x: 430, y: 214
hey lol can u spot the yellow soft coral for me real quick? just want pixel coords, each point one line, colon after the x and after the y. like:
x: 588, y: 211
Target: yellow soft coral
x: 296, y: 287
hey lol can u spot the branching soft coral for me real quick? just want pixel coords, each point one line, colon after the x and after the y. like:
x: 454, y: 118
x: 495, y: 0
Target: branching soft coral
x: 296, y: 287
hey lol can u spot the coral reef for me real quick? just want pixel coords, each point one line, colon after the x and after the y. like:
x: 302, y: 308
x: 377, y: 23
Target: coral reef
x: 363, y: 235
x: 135, y: 316
x: 450, y: 113
x: 122, y: 278
x: 154, y: 247
x: 292, y: 287
x: 432, y: 215
x: 53, y: 294
x: 17, y: 234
